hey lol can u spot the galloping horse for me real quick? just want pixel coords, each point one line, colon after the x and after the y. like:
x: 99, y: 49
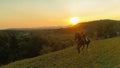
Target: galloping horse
x: 81, y: 40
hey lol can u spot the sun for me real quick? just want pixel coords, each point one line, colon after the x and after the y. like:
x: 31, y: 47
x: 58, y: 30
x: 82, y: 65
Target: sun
x: 75, y: 20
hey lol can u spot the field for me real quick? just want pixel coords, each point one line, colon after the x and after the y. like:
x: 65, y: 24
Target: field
x: 101, y: 54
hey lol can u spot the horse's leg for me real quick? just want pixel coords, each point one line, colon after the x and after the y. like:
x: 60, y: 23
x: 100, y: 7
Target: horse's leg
x: 78, y: 48
x: 87, y: 46
x: 84, y: 43
x: 83, y: 46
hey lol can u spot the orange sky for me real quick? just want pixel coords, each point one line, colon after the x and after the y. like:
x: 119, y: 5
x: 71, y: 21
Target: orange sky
x: 41, y: 13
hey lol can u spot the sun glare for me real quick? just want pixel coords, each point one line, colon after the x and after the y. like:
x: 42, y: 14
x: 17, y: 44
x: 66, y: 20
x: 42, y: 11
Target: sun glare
x: 75, y: 20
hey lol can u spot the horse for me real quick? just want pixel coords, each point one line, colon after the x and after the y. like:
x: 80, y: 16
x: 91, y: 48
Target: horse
x: 81, y: 40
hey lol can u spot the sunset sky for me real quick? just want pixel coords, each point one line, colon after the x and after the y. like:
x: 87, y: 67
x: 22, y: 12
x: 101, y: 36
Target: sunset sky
x: 43, y: 13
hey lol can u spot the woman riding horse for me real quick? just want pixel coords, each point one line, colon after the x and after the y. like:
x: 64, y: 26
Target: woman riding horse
x: 81, y: 40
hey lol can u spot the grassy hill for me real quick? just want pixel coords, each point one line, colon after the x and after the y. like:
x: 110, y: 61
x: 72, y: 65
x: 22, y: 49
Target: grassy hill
x: 101, y: 54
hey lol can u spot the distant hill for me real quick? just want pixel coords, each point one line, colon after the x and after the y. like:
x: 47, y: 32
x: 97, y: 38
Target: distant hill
x: 101, y: 54
x: 97, y: 23
x: 38, y: 28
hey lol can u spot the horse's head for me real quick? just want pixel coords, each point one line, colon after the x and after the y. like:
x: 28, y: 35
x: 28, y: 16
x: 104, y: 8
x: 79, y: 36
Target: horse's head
x: 78, y: 36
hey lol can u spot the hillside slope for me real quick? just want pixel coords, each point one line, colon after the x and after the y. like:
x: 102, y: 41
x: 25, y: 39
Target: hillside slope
x: 101, y: 54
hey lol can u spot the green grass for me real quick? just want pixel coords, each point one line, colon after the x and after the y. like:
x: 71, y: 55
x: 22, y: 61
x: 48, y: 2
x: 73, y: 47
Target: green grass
x: 101, y: 54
